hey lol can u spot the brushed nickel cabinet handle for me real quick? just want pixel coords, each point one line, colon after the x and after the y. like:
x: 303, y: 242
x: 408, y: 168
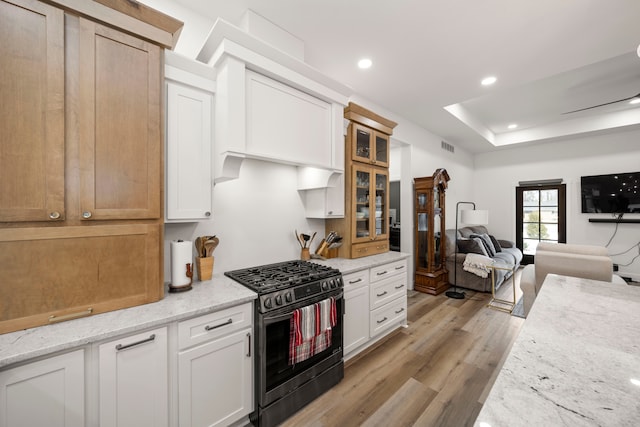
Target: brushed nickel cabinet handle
x: 211, y: 328
x: 86, y: 214
x: 380, y: 273
x: 355, y: 281
x: 400, y: 311
x: 151, y: 338
x: 382, y: 321
x: 54, y: 215
x: 400, y: 287
x: 400, y: 267
x: 249, y: 342
x: 382, y: 294
x: 53, y: 318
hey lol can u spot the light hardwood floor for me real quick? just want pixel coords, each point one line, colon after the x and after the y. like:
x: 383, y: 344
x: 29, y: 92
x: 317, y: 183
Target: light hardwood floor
x: 436, y: 372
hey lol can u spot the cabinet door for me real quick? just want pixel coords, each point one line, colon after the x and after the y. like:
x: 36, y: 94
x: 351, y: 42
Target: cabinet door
x: 215, y: 383
x: 189, y: 139
x: 361, y: 202
x: 120, y: 125
x: 49, y: 393
x: 356, y: 318
x: 133, y: 376
x: 369, y: 146
x: 31, y: 111
x: 380, y: 187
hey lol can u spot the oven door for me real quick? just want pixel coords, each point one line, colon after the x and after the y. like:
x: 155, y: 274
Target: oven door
x: 276, y: 377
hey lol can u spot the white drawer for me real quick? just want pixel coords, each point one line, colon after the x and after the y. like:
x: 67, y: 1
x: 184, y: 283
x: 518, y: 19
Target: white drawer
x: 381, y: 293
x: 213, y: 325
x: 356, y: 280
x: 387, y: 270
x: 387, y: 316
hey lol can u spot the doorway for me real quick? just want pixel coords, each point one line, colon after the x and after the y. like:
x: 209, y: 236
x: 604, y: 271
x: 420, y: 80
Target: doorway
x: 540, y: 217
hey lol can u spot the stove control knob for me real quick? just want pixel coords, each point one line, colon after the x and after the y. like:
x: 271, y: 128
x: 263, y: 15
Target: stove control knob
x: 279, y: 300
x: 267, y: 303
x: 333, y: 283
x: 325, y: 286
x: 288, y: 297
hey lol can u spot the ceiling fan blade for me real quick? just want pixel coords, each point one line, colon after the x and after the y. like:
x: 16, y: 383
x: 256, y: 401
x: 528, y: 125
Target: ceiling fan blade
x: 602, y: 105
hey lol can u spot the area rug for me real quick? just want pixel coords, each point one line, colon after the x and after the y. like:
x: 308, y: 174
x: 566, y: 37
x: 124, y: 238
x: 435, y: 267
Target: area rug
x: 518, y: 310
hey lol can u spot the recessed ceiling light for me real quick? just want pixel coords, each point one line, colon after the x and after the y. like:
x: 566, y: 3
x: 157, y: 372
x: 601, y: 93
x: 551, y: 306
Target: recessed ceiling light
x: 635, y: 101
x: 512, y: 126
x: 487, y: 81
x: 364, y: 63
x: 635, y: 381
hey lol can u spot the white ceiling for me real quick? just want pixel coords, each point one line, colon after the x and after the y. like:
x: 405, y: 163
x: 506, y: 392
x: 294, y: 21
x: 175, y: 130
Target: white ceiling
x: 550, y: 56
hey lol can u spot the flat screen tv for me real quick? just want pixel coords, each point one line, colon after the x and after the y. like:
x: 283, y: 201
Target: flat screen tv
x: 614, y: 193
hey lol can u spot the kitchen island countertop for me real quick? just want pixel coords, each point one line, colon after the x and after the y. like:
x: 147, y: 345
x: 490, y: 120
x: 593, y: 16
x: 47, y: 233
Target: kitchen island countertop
x: 576, y: 361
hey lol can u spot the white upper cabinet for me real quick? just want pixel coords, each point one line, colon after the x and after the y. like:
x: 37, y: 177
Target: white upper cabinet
x: 189, y: 181
x: 271, y: 106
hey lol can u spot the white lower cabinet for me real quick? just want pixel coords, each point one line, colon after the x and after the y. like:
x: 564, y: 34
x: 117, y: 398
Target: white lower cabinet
x: 375, y: 304
x: 215, y: 378
x: 133, y: 378
x: 48, y: 392
x: 356, y: 307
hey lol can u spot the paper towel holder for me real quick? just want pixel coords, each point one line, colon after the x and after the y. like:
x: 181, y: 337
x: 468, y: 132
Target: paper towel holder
x: 187, y: 287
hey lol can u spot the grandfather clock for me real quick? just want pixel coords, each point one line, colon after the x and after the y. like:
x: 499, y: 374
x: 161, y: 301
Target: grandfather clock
x: 431, y: 272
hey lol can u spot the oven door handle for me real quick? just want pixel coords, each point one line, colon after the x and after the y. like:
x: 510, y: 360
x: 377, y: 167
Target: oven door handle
x: 286, y: 312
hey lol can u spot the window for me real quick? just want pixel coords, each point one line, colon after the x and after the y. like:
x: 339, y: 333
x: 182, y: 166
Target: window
x: 540, y: 217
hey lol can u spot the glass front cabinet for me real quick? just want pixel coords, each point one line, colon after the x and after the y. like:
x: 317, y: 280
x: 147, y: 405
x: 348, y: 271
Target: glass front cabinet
x: 365, y: 226
x: 431, y: 271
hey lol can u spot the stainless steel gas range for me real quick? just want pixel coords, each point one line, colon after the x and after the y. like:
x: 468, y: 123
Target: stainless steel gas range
x: 288, y: 376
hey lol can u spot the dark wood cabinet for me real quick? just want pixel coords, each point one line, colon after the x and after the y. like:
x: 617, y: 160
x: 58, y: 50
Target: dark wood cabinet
x: 431, y: 272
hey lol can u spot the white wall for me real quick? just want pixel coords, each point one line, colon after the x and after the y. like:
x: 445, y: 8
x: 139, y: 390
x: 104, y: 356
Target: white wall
x: 254, y: 216
x: 497, y: 174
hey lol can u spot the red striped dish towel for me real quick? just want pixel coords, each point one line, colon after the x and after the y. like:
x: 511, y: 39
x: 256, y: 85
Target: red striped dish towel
x: 311, y: 330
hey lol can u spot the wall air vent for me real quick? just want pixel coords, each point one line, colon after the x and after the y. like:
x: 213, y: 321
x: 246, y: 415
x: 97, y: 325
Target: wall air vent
x: 446, y: 146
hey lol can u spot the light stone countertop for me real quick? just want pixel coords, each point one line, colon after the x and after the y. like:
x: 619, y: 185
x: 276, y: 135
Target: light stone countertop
x: 576, y: 361
x: 347, y: 266
x: 205, y: 297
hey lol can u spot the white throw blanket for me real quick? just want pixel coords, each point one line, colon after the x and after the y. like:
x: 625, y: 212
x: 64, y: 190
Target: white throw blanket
x: 477, y: 264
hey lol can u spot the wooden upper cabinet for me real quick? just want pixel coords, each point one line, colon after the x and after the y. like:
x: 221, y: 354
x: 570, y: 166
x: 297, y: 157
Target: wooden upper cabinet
x: 369, y: 146
x: 120, y: 125
x: 31, y: 111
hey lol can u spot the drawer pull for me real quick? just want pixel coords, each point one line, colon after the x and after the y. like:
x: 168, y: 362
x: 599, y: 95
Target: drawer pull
x: 54, y: 215
x: 382, y: 294
x: 381, y: 273
x: 400, y: 287
x: 210, y: 328
x: 382, y: 321
x: 119, y: 347
x: 400, y: 311
x: 355, y: 281
x: 400, y: 267
x: 86, y: 215
x: 249, y: 342
x: 53, y: 318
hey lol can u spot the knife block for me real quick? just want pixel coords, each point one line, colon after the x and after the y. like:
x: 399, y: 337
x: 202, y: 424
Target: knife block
x: 204, y: 267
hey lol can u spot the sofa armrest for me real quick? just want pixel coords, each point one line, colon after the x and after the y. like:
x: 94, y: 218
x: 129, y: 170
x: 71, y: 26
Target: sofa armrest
x: 506, y: 243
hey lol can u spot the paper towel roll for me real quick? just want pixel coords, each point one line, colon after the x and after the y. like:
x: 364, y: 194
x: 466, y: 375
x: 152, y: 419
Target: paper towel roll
x: 181, y: 255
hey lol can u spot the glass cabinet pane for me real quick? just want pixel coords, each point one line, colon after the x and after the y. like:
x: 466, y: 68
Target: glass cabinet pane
x: 382, y: 148
x: 422, y: 258
x: 381, y: 223
x: 363, y: 187
x: 437, y: 237
x: 363, y: 143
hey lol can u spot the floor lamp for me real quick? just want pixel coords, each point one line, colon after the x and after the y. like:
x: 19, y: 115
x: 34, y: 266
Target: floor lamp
x: 470, y: 217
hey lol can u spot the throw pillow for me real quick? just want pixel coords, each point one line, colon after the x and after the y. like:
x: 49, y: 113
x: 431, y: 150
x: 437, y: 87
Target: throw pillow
x: 496, y: 244
x: 471, y: 246
x: 486, y: 241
